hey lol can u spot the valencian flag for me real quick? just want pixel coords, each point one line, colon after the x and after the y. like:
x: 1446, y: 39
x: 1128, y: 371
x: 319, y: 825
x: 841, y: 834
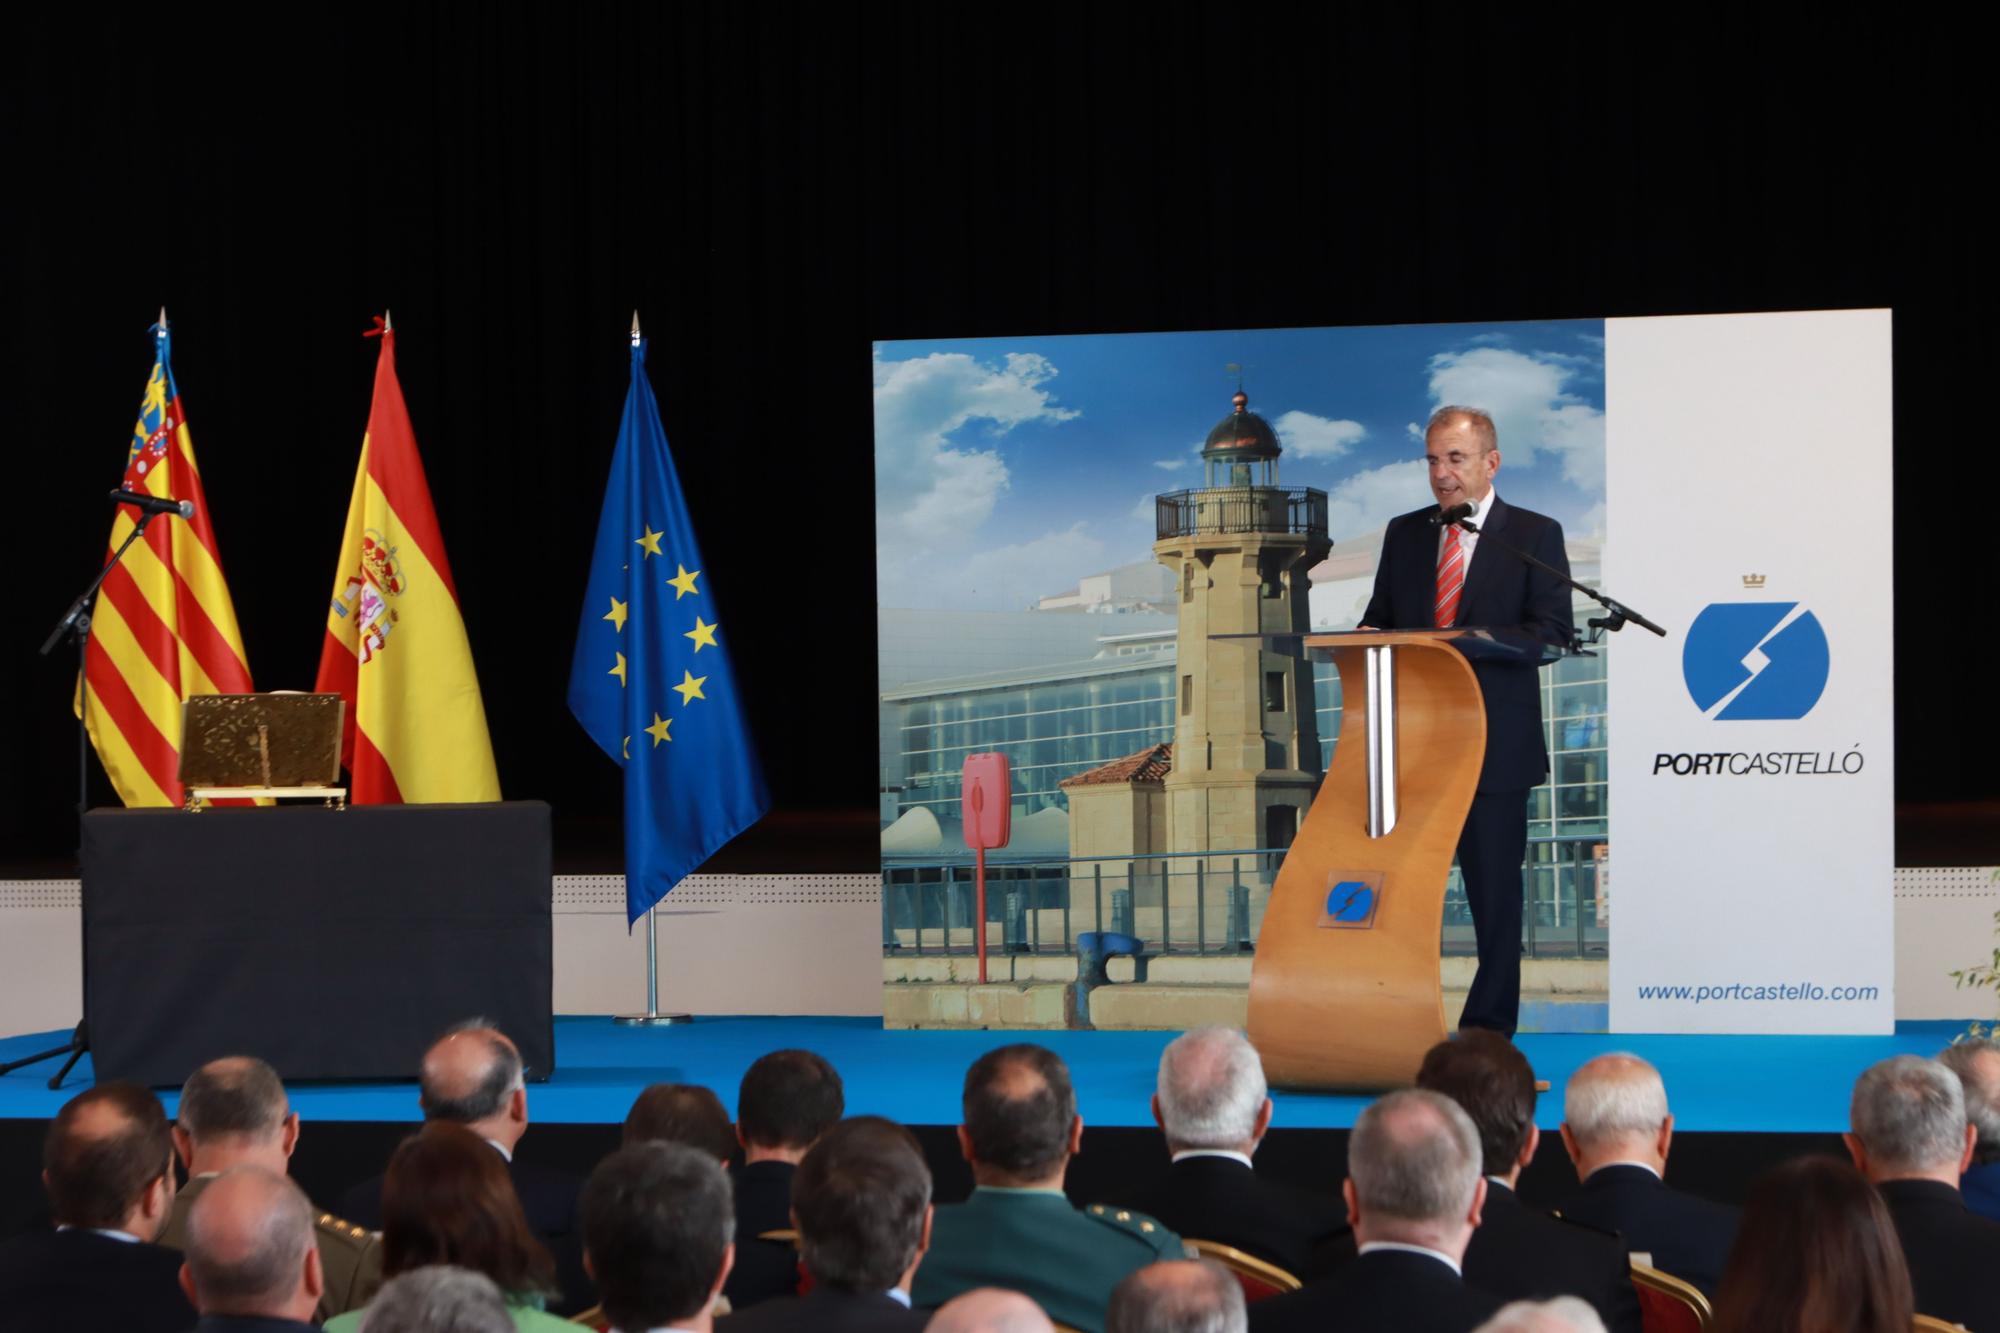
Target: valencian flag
x: 651, y: 679
x: 395, y: 644
x: 163, y: 628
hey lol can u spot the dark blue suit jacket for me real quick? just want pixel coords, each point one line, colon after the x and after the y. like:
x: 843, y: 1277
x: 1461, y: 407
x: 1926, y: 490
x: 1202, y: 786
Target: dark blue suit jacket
x: 1500, y: 591
x: 1686, y: 1235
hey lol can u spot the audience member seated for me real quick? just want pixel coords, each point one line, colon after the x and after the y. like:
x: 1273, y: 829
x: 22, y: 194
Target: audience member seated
x: 1213, y: 1107
x: 861, y: 1200
x: 1563, y: 1314
x: 108, y: 1167
x: 438, y: 1299
x: 989, y: 1310
x: 1178, y: 1296
x: 1909, y: 1135
x: 252, y: 1261
x: 786, y: 1101
x: 233, y: 1112
x: 1816, y: 1253
x: 681, y: 1113
x: 1413, y: 1194
x: 472, y: 1076
x: 1976, y: 1061
x: 1618, y: 1130
x: 657, y: 1228
x: 1018, y: 1229
x: 448, y: 1200
x: 1521, y: 1253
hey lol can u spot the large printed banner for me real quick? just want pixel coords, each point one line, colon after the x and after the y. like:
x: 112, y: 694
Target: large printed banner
x: 1748, y: 461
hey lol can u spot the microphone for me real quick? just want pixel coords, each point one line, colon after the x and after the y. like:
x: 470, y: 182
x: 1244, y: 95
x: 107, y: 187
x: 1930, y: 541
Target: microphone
x: 153, y: 504
x: 1445, y: 518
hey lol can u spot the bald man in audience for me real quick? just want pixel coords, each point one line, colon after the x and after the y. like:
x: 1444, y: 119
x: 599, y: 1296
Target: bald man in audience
x: 1520, y: 1252
x: 234, y: 1112
x: 1213, y: 1107
x: 1178, y: 1296
x: 252, y: 1264
x: 108, y: 1167
x: 989, y: 1310
x: 1617, y: 1130
x: 1976, y: 1061
x: 472, y: 1076
x: 1909, y: 1135
x: 1414, y: 1195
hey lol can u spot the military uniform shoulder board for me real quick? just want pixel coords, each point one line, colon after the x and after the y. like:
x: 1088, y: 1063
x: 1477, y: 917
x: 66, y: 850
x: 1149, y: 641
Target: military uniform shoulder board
x: 341, y: 1229
x: 1149, y: 1230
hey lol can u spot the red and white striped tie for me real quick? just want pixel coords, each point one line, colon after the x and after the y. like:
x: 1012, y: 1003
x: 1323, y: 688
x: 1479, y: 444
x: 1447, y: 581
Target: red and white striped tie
x: 1451, y: 578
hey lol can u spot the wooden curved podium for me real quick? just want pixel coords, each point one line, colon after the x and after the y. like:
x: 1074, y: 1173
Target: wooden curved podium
x: 1336, y: 1000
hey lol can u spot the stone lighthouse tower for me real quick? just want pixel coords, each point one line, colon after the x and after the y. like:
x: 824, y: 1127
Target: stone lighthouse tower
x: 1246, y: 757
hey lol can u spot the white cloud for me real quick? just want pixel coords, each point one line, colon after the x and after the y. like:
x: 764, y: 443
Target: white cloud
x: 1172, y: 464
x: 930, y: 487
x: 1307, y: 436
x: 1367, y: 500
x: 1012, y: 578
x: 1146, y: 509
x: 1527, y: 394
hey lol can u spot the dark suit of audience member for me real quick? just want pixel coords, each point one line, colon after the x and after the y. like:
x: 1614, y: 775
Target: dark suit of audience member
x: 1383, y: 1291
x: 1680, y: 1233
x: 472, y: 1076
x: 786, y: 1101
x: 107, y: 1163
x: 830, y: 1309
x: 1211, y: 1197
x: 1518, y: 1252
x: 1909, y: 1134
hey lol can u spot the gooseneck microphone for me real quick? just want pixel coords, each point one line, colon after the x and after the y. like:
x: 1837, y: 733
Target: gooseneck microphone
x: 1444, y: 518
x: 153, y: 504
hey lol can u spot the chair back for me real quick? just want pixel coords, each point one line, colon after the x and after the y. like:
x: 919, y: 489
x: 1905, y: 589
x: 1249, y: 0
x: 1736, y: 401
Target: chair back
x: 789, y: 1236
x: 1258, y: 1278
x: 1669, y: 1304
x: 592, y: 1318
x: 1925, y: 1323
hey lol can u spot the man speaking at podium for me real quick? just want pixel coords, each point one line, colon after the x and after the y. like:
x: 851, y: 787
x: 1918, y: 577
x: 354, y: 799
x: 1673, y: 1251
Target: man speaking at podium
x: 1435, y: 574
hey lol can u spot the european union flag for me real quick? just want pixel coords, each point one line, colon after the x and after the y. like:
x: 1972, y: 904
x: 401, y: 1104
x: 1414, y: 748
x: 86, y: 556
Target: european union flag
x: 651, y: 680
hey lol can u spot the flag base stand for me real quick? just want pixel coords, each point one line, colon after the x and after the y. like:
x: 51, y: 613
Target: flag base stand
x: 652, y: 1018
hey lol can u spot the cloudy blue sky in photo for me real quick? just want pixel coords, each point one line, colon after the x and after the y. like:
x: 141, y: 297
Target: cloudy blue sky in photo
x: 1008, y: 468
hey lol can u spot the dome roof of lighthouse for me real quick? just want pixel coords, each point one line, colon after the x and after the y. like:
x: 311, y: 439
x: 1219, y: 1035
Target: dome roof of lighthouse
x: 1241, y: 434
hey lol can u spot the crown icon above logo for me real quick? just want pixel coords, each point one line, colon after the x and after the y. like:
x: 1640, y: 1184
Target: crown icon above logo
x: 1753, y: 580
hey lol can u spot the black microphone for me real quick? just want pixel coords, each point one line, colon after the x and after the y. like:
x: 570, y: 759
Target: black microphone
x: 1444, y: 518
x: 153, y: 504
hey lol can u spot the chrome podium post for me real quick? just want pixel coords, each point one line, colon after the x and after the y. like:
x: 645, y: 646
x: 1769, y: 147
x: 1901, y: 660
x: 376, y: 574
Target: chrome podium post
x: 1381, y: 739
x: 652, y: 1017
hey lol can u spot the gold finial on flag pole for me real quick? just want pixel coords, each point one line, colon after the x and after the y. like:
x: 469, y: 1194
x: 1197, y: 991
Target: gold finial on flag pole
x: 388, y: 324
x: 635, y: 328
x: 160, y: 329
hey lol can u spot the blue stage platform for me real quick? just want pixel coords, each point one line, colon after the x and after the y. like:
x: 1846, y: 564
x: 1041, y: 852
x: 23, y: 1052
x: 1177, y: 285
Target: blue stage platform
x: 1717, y: 1084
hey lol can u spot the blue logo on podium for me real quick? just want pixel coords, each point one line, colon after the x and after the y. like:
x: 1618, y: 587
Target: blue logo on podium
x: 1350, y: 900
x: 1743, y: 661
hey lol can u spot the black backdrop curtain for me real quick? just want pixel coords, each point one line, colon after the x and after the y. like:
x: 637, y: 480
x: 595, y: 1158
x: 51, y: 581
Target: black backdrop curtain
x: 774, y: 186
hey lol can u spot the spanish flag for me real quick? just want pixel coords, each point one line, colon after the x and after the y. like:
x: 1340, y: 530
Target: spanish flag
x: 163, y: 628
x: 395, y: 642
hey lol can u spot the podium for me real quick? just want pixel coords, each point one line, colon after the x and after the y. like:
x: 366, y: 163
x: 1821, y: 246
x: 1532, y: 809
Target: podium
x: 1344, y: 989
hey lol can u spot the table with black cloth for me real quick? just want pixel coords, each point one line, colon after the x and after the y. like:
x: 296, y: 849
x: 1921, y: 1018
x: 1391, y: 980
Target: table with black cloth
x: 335, y: 944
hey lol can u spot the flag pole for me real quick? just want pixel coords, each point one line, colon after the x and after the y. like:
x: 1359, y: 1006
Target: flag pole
x: 652, y: 1017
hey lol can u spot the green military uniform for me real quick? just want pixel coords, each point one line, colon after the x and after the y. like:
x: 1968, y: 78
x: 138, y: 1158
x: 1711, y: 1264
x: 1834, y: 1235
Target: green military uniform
x: 1033, y: 1241
x: 350, y: 1257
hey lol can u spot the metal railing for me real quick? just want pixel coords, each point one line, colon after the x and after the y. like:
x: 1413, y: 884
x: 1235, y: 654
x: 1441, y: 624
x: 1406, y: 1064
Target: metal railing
x: 1193, y: 902
x: 1241, y: 509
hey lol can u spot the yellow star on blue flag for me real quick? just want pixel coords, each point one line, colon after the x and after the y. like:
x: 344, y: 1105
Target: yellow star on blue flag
x: 684, y: 798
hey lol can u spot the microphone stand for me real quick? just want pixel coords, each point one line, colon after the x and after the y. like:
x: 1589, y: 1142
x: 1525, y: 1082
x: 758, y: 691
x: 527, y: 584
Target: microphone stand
x: 1617, y: 614
x: 75, y: 625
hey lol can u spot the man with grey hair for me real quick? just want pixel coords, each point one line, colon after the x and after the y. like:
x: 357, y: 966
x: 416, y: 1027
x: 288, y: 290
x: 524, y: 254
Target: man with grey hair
x: 472, y: 1076
x: 234, y: 1112
x: 1564, y: 1314
x: 252, y: 1266
x: 1908, y: 1134
x: 1617, y: 1130
x: 1438, y: 570
x: 989, y: 1310
x: 1976, y: 1061
x: 438, y: 1299
x: 1178, y: 1296
x: 1414, y: 1193
x: 1213, y: 1107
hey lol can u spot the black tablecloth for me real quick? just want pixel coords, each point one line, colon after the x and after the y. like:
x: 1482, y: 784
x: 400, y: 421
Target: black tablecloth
x: 336, y: 944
